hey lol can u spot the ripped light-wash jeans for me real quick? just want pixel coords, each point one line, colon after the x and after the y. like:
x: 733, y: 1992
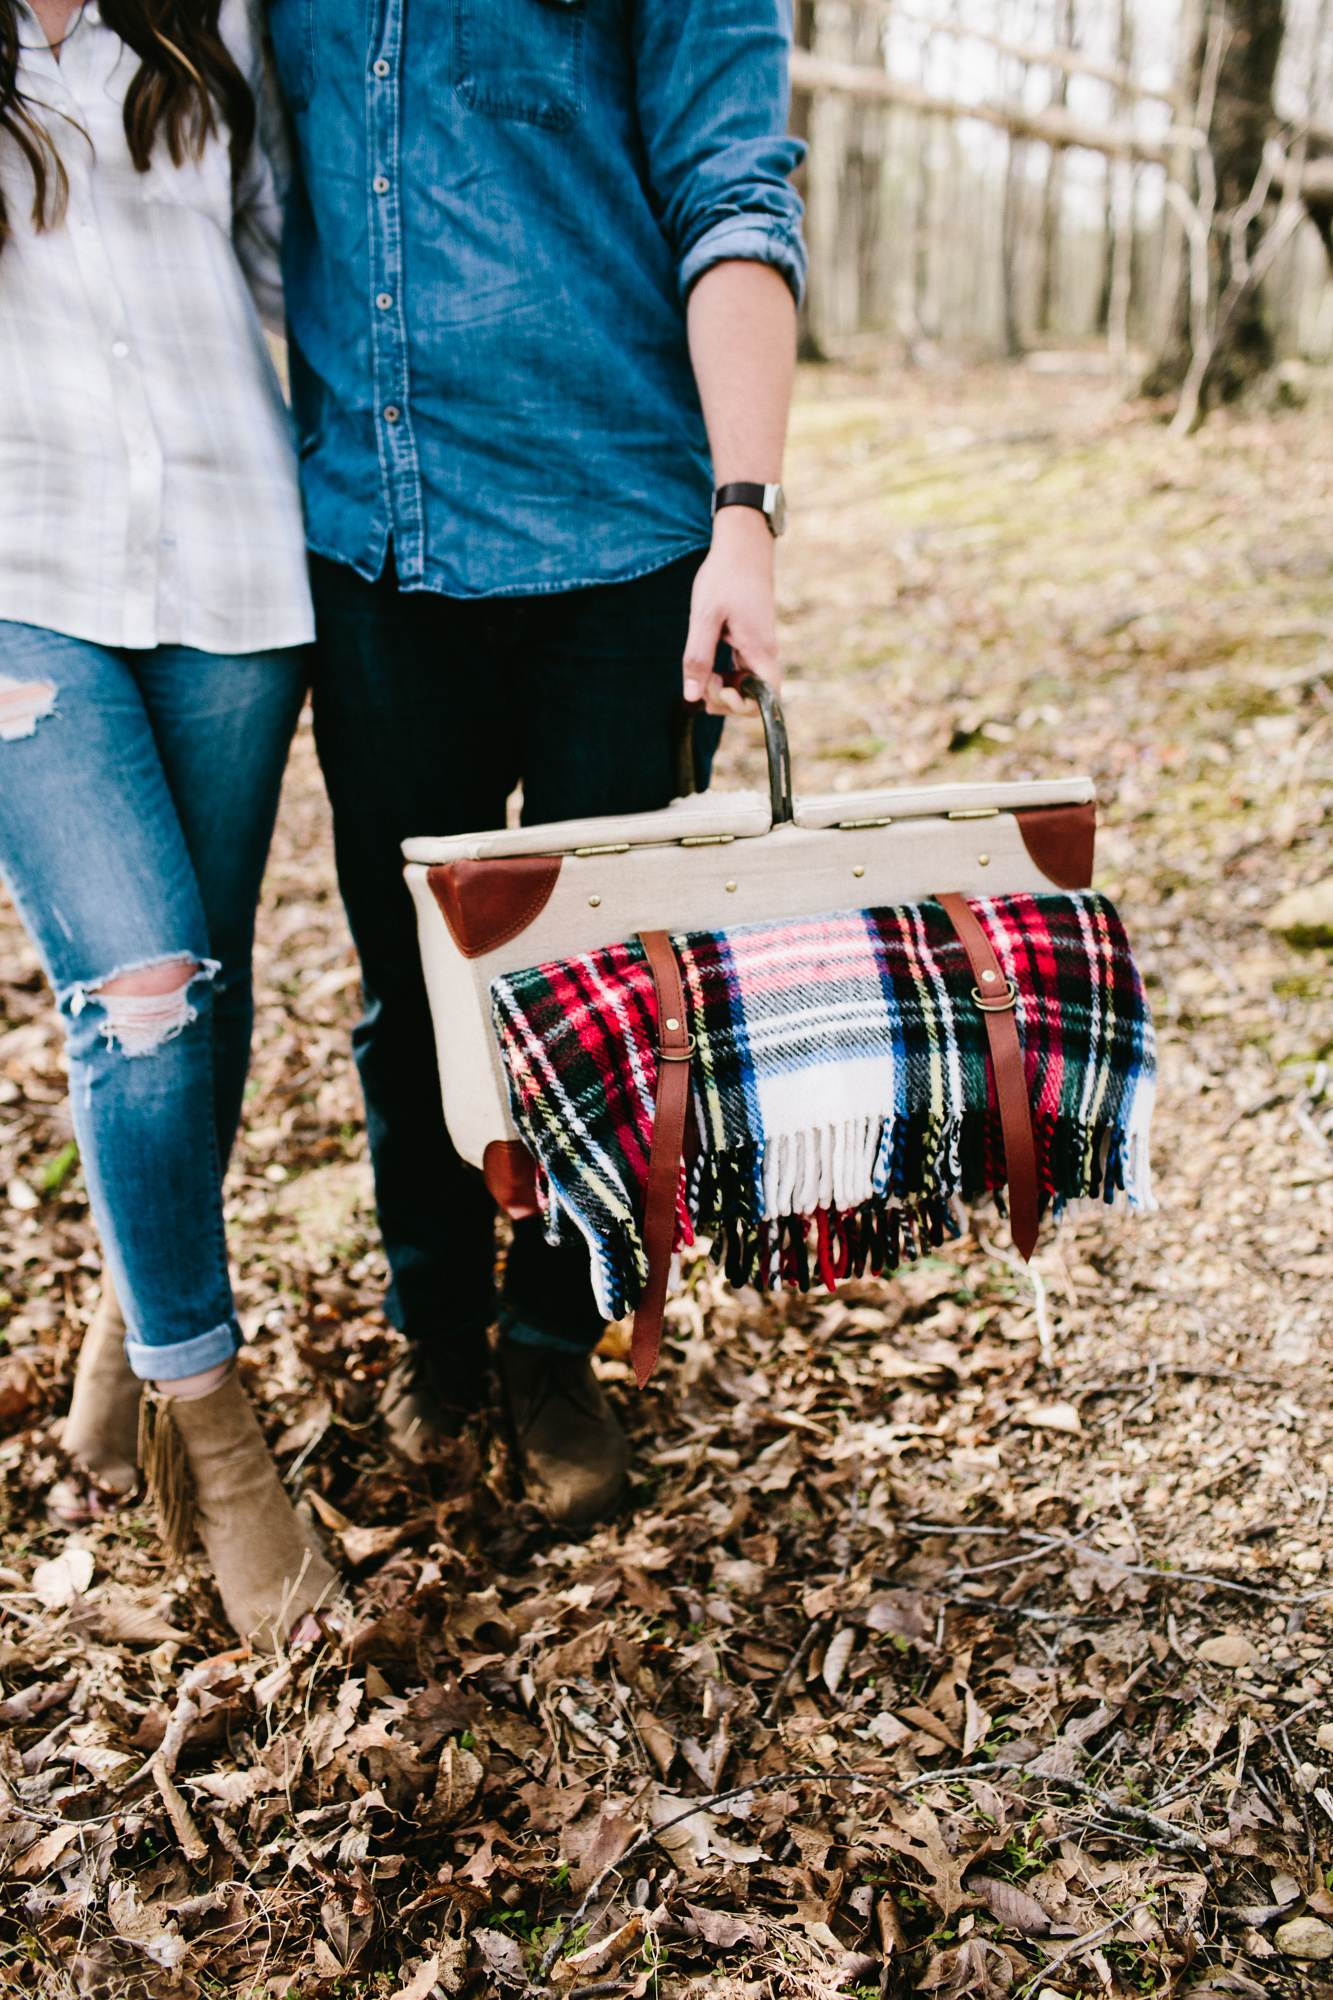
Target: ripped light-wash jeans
x: 138, y: 791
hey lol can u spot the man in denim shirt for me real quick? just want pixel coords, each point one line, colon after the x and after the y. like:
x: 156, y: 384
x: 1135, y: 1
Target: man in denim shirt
x: 542, y: 261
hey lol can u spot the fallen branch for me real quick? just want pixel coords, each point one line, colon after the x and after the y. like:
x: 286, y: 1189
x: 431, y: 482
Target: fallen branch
x: 1069, y: 61
x: 794, y: 1665
x: 1106, y: 1561
x: 1176, y: 1838
x: 1071, y: 1951
x: 1224, y: 1755
x: 1052, y: 126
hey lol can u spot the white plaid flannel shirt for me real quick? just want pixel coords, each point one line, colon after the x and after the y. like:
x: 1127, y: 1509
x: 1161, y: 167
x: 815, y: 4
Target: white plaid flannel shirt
x: 148, y: 478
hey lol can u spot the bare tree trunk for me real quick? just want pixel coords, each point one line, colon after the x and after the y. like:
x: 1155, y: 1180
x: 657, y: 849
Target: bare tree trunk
x: 863, y: 176
x: 1122, y: 263
x: 1113, y: 198
x: 1319, y: 207
x: 802, y: 101
x: 1011, y: 227
x: 1242, y: 118
x: 1048, y: 280
x: 1168, y: 342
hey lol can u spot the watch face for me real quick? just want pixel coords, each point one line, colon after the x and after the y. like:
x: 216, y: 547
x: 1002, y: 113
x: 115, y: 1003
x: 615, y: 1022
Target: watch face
x: 777, y: 514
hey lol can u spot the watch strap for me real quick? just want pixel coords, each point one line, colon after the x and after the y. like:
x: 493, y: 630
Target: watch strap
x: 742, y: 493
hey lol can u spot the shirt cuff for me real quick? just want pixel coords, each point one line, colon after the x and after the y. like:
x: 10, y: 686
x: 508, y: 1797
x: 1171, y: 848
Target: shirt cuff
x: 754, y: 238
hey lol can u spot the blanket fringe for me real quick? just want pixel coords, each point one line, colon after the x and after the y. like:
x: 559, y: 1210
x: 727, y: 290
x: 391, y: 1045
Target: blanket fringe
x: 926, y: 1165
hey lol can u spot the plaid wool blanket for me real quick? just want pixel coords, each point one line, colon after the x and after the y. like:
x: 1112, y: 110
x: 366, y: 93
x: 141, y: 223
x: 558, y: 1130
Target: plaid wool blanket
x: 842, y: 1083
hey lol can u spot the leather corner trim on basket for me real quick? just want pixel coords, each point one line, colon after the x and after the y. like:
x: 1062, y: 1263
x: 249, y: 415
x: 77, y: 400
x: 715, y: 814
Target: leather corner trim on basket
x: 1011, y: 1088
x: 1061, y: 840
x: 485, y: 903
x: 510, y: 1174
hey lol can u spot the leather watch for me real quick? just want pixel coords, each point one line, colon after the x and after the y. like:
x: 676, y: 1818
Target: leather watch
x: 770, y: 501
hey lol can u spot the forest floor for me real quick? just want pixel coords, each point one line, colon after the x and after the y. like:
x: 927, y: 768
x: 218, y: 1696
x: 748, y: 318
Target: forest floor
x: 1059, y: 1718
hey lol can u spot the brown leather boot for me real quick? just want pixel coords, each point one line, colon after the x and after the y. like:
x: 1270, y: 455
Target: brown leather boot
x: 428, y: 1398
x: 102, y: 1429
x: 209, y: 1472
x: 572, y: 1452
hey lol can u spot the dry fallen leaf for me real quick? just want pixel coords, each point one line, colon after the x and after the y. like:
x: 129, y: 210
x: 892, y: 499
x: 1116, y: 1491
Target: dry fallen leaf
x: 65, y: 1577
x: 502, y: 1958
x: 916, y: 1833
x: 597, y: 1959
x: 975, y: 1966
x: 1012, y: 1906
x: 457, y: 1783
x: 145, y: 1927
x: 44, y: 1853
x: 926, y: 1719
x: 658, y: 1741
x: 123, y: 1622
x: 839, y: 1651
x: 717, y: 1928
x: 422, y: 1982
x: 1050, y: 1417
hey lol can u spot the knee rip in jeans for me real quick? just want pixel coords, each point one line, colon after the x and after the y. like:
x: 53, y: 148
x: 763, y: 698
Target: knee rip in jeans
x: 23, y: 705
x: 146, y: 1005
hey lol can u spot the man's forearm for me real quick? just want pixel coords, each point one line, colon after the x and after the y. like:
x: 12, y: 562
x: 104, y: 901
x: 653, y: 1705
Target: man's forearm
x: 742, y: 327
x: 742, y: 331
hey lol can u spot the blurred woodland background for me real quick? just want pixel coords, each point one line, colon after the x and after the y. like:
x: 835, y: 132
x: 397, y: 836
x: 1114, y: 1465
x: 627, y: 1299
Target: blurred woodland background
x: 999, y: 177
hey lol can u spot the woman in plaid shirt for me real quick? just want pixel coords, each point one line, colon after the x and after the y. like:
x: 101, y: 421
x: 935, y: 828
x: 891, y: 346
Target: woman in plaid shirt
x: 154, y: 615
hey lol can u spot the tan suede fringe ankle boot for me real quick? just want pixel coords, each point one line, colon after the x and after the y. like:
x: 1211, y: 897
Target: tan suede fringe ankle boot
x: 103, y: 1421
x: 209, y: 1472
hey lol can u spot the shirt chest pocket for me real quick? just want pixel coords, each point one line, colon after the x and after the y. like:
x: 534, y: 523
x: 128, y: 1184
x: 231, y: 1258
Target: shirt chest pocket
x: 520, y: 59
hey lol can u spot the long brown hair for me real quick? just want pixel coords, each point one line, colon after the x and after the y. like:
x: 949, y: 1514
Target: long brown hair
x: 186, y: 81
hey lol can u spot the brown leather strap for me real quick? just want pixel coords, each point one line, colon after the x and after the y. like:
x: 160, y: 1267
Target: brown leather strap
x: 995, y: 996
x: 675, y: 1048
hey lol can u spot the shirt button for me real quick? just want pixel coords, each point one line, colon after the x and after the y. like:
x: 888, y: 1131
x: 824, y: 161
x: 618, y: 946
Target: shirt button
x: 384, y: 301
x: 381, y: 67
x: 380, y: 184
x: 392, y: 413
x: 119, y: 349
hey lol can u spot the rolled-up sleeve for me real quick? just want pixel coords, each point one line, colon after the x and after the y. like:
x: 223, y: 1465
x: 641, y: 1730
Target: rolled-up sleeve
x: 712, y: 99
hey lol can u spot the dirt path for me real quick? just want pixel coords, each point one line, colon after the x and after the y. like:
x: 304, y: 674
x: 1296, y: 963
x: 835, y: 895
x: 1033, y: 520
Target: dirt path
x: 1095, y: 1580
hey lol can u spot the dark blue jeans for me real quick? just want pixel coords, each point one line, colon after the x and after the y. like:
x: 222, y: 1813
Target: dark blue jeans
x: 428, y: 712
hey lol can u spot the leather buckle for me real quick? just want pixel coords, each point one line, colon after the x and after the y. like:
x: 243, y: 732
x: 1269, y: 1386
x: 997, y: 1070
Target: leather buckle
x: 679, y: 1055
x: 998, y: 1006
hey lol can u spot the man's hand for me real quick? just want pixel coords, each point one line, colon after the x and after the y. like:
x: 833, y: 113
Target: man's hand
x: 733, y: 600
x: 742, y: 326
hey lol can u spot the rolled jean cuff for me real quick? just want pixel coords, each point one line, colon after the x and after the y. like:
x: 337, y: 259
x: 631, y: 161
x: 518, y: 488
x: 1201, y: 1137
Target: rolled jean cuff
x: 183, y: 1357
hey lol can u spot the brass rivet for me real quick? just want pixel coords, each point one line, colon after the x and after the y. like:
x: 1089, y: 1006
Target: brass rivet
x: 858, y: 871
x: 983, y: 861
x: 593, y: 901
x: 990, y: 975
x: 731, y: 888
x: 671, y: 1022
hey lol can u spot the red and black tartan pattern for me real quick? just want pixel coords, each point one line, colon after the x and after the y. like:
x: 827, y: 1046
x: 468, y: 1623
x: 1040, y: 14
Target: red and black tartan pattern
x: 771, y: 1001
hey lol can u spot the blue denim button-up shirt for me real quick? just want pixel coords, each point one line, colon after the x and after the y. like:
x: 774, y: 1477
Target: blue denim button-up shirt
x: 499, y: 209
